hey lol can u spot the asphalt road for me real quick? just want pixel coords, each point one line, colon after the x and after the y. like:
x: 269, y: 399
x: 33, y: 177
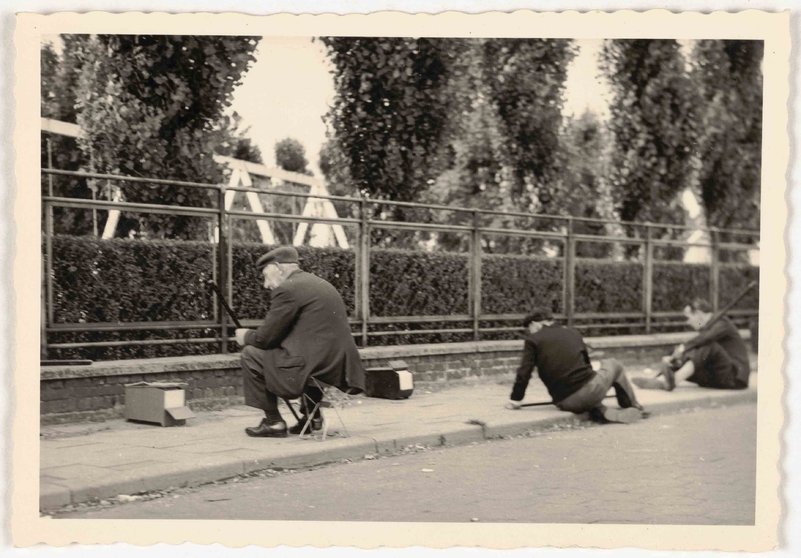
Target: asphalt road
x: 696, y: 467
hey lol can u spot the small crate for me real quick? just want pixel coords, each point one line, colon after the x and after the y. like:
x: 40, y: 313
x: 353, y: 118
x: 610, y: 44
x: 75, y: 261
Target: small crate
x: 389, y: 382
x: 157, y: 402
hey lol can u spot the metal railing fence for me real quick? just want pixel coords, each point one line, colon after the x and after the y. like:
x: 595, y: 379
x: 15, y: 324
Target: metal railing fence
x: 368, y: 216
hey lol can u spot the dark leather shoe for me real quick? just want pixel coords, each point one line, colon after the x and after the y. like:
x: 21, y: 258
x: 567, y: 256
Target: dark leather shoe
x: 316, y: 424
x: 267, y: 429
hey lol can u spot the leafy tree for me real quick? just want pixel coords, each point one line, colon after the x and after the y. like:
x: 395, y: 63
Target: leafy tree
x: 60, y: 76
x: 390, y: 110
x: 59, y: 79
x: 477, y: 173
x: 652, y: 121
x: 290, y: 155
x: 151, y: 105
x: 234, y: 141
x: 504, y: 134
x: 49, y: 68
x: 473, y: 157
x: 729, y: 76
x: 583, y: 189
x: 334, y: 168
x: 526, y: 78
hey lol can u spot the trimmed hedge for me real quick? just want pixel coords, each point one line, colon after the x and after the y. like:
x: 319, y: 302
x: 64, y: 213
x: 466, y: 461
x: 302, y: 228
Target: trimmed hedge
x: 676, y: 284
x: 608, y: 286
x: 406, y: 283
x: 514, y: 284
x: 733, y: 279
x: 130, y: 281
x: 119, y: 281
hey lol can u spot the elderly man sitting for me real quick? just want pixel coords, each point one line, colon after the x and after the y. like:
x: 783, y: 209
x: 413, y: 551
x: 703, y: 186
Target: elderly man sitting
x: 305, y: 334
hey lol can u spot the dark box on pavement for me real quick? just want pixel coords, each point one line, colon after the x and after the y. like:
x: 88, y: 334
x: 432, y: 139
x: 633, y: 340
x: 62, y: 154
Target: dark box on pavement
x: 159, y: 402
x: 389, y: 382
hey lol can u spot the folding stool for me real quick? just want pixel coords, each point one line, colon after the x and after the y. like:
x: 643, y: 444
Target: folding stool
x: 332, y: 398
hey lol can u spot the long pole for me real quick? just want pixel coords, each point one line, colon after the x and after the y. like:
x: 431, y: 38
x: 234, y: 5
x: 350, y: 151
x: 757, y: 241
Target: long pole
x: 544, y: 403
x: 234, y: 319
x: 722, y: 312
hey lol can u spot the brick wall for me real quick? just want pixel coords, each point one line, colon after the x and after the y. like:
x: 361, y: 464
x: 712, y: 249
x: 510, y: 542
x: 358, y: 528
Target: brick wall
x: 70, y: 394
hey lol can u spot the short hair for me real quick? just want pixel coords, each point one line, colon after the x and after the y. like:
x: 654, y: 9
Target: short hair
x: 700, y: 305
x: 538, y: 315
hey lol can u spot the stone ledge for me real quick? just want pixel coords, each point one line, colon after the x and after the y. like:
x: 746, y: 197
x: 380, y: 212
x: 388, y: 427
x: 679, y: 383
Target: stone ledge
x: 231, y: 361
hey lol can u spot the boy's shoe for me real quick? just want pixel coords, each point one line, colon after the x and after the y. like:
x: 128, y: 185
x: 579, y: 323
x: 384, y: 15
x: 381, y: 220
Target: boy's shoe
x: 622, y: 416
x: 668, y: 372
x: 645, y: 382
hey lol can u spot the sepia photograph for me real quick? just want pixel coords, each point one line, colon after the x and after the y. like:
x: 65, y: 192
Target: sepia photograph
x: 462, y: 272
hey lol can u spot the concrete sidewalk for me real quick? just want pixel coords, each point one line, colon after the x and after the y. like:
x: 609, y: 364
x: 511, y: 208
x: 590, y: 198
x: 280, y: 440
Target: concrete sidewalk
x: 104, y: 460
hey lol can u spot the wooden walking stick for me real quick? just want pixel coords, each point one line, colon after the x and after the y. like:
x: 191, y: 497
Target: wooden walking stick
x: 238, y: 325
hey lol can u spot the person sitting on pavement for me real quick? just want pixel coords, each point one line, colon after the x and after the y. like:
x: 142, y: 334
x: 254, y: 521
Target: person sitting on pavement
x: 305, y: 334
x: 715, y: 358
x: 562, y: 361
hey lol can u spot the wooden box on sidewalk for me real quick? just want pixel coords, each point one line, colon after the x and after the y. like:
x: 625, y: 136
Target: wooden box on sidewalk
x: 159, y: 402
x: 389, y: 382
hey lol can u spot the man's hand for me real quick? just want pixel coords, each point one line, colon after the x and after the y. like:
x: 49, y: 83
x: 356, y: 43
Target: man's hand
x: 513, y: 405
x: 678, y: 352
x: 240, y: 335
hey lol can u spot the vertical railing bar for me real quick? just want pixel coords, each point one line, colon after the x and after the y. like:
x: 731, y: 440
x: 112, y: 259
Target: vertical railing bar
x: 357, y: 276
x: 475, y: 275
x: 714, y: 269
x: 223, y: 267
x: 229, y: 258
x: 648, y: 278
x: 49, y: 255
x: 50, y: 166
x: 365, y: 269
x: 570, y: 273
x: 470, y: 270
x: 47, y: 303
x: 48, y: 311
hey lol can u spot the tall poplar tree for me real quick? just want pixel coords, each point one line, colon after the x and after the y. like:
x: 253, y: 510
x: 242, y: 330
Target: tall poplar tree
x: 729, y: 76
x: 150, y: 105
x: 390, y: 110
x: 526, y: 80
x: 652, y: 121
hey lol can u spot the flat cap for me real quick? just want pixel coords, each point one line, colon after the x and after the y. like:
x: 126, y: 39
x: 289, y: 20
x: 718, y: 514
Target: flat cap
x: 282, y: 254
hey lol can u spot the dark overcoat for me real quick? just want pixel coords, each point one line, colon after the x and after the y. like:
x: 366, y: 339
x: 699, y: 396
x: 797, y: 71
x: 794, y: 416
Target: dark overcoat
x: 306, y: 333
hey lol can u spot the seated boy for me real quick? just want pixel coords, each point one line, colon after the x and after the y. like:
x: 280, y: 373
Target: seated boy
x: 562, y: 361
x: 715, y: 358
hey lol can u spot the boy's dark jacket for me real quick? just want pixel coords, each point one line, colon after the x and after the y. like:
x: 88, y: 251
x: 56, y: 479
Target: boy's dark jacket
x: 561, y: 358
